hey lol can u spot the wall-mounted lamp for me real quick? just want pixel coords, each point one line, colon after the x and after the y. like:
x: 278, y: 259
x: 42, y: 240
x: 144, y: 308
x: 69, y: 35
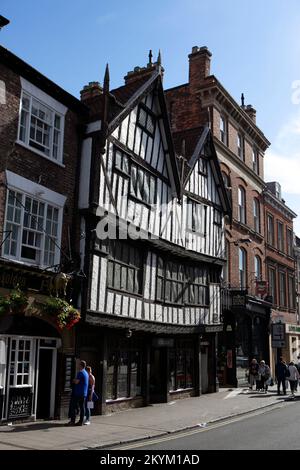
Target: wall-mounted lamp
x: 128, y: 333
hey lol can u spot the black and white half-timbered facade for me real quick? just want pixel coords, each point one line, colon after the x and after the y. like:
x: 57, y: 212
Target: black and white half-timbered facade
x: 152, y: 209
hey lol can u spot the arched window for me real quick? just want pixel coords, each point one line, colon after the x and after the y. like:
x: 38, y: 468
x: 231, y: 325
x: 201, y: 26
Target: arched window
x: 226, y: 179
x: 257, y: 267
x: 256, y: 215
x: 242, y: 267
x: 227, y: 183
x: 242, y: 204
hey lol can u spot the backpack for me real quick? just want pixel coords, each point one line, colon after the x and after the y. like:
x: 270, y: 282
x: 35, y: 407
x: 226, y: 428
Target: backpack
x: 287, y: 372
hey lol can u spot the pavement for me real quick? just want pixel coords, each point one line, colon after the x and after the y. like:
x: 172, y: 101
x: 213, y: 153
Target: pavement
x: 132, y: 425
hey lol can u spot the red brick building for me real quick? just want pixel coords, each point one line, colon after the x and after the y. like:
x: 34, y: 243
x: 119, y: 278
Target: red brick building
x: 240, y: 146
x: 280, y: 269
x: 39, y: 155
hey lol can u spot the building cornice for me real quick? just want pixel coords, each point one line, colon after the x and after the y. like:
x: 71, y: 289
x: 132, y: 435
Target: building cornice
x: 222, y: 96
x: 222, y: 148
x: 279, y: 205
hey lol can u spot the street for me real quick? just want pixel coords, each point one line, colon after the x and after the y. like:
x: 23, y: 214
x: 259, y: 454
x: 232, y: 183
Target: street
x: 273, y: 429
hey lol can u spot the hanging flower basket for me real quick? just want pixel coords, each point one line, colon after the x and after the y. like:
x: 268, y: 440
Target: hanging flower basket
x: 66, y: 316
x: 15, y: 302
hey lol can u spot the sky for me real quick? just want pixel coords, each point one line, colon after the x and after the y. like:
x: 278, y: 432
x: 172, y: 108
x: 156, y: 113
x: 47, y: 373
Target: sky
x: 255, y: 46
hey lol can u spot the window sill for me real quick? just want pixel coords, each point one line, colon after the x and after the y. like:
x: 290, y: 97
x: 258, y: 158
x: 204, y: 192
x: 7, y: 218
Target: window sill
x: 24, y: 263
x: 41, y: 154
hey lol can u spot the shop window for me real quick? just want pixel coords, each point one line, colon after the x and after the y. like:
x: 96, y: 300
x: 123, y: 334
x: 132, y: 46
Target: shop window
x: 124, y: 376
x: 181, y: 366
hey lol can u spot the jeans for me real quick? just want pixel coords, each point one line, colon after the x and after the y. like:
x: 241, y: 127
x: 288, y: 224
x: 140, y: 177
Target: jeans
x: 279, y: 381
x: 80, y: 403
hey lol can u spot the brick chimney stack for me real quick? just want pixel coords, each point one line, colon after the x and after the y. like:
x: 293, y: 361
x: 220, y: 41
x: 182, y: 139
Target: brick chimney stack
x: 139, y: 72
x: 251, y: 112
x: 90, y: 91
x: 199, y: 67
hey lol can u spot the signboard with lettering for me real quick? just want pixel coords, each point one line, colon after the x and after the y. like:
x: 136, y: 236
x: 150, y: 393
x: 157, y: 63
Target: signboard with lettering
x: 238, y: 298
x: 163, y: 342
x: 278, y: 335
x: 213, y: 328
x: 20, y: 402
x: 69, y: 373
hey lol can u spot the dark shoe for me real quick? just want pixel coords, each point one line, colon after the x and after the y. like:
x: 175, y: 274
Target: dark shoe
x: 70, y: 423
x: 80, y: 423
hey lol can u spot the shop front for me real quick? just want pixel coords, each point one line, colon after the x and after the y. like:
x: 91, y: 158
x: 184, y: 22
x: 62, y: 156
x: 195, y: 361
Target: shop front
x: 245, y: 336
x: 143, y: 363
x: 28, y: 366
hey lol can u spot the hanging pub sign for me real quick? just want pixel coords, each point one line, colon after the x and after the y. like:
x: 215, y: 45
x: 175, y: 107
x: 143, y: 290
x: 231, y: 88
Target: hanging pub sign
x: 10, y: 278
x: 238, y: 298
x: 20, y: 403
x: 261, y: 288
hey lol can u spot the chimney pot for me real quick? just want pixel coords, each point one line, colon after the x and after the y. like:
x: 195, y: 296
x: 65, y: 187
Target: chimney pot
x: 90, y: 91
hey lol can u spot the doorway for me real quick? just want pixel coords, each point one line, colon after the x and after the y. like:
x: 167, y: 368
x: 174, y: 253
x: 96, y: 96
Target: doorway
x: 204, y: 370
x: 44, y: 384
x: 158, y: 376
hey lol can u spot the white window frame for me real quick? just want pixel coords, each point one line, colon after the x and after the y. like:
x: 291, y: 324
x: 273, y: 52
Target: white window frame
x: 242, y: 268
x: 55, y: 107
x: 223, y: 130
x: 256, y: 215
x: 255, y: 160
x: 258, y: 267
x: 16, y: 362
x: 240, y: 146
x: 42, y: 194
x: 242, y: 205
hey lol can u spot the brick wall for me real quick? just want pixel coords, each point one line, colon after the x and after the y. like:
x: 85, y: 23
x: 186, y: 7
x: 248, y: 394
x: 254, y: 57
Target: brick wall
x: 16, y: 158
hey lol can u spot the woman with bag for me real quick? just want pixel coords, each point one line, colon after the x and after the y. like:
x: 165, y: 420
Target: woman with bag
x: 89, y: 399
x: 293, y: 378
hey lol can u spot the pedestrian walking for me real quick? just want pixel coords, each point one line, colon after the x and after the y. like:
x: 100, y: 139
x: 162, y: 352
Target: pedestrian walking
x: 281, y: 374
x: 253, y: 373
x: 91, y: 391
x: 265, y: 373
x: 78, y: 397
x: 293, y: 377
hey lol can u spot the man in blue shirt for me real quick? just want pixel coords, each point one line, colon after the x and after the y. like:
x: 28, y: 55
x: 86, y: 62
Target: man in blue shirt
x: 80, y: 393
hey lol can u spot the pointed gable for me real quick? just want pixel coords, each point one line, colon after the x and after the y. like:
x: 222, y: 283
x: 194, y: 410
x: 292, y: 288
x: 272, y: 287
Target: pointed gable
x: 134, y: 99
x: 195, y: 143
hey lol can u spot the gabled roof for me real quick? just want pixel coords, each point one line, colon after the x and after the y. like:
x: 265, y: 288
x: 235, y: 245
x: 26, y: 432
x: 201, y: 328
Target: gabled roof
x: 128, y: 97
x: 194, y: 142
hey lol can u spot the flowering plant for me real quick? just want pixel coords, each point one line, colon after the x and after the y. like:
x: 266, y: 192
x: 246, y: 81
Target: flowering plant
x: 66, y: 315
x: 15, y: 301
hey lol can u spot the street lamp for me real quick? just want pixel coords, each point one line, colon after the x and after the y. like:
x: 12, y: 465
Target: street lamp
x: 3, y: 21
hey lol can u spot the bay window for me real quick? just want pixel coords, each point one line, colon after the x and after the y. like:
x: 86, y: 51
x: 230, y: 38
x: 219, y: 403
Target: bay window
x: 32, y: 229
